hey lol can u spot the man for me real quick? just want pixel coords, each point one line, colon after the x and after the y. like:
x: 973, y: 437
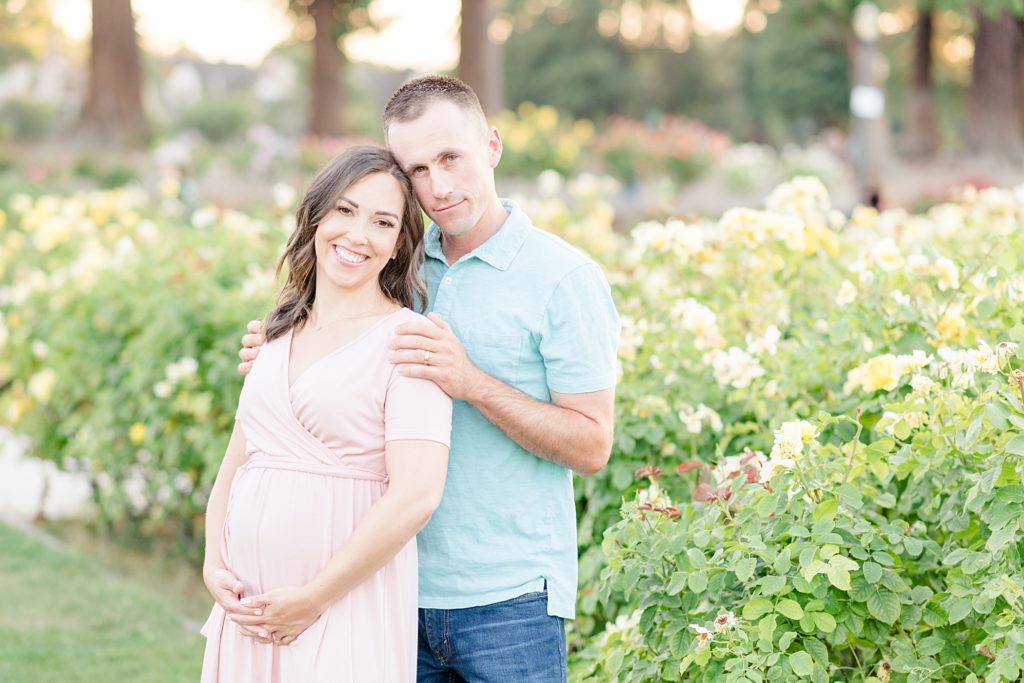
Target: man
x: 524, y: 336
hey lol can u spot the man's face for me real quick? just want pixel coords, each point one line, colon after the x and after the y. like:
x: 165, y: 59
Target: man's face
x: 450, y: 156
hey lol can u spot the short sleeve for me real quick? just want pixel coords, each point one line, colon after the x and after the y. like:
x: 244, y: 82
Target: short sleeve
x: 579, y: 334
x: 416, y: 409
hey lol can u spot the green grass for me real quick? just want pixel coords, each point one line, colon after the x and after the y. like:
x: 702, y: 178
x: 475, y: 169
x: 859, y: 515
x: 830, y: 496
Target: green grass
x: 66, y: 619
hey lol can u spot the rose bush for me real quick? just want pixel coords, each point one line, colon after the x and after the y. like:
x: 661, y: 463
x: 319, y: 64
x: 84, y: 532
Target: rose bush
x: 827, y: 417
x: 817, y: 462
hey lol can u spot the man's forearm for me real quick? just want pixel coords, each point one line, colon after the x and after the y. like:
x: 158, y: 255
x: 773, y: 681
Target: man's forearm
x: 562, y: 435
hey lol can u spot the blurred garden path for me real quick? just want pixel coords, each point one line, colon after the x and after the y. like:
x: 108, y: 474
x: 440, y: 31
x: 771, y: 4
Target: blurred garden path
x: 903, y: 184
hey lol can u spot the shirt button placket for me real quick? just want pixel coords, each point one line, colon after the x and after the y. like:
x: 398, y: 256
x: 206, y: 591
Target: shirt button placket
x: 445, y: 298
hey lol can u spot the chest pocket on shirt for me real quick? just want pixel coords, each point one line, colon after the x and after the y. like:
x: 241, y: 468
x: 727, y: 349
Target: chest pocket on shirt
x: 495, y: 354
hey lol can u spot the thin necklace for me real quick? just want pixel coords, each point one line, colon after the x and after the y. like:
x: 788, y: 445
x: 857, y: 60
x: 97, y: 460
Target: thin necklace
x: 368, y: 312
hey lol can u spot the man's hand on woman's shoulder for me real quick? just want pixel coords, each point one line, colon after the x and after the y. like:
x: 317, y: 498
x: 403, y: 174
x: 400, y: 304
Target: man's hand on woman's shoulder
x: 251, y: 344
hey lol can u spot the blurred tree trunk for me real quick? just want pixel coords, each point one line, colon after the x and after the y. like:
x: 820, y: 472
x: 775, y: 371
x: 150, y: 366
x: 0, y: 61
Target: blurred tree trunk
x: 326, y: 115
x: 480, y: 58
x: 922, y: 136
x: 112, y: 110
x: 993, y: 120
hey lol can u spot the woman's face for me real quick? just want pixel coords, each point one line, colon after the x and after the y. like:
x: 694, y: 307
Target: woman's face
x: 359, y: 235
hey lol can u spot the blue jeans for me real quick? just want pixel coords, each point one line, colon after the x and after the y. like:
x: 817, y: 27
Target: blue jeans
x: 514, y: 641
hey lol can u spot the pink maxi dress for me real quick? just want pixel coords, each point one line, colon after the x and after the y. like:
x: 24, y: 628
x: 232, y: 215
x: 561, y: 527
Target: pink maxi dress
x: 316, y: 465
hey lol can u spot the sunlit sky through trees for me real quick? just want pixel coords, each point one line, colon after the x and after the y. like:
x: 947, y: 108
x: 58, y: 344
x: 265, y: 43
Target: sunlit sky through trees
x: 418, y: 35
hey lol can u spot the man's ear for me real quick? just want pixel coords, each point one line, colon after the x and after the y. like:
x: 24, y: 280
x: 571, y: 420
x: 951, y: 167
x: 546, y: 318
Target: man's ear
x: 494, y: 146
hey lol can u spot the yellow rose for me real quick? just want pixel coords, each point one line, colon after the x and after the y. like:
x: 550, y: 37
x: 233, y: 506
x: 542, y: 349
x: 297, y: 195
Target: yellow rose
x: 137, y: 433
x: 881, y: 373
x: 952, y: 326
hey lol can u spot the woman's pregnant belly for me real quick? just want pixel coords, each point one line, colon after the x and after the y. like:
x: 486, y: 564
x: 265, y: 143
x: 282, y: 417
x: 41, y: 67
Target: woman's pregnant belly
x: 283, y: 526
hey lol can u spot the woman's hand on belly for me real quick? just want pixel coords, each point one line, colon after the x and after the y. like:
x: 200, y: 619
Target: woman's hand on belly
x: 287, y: 612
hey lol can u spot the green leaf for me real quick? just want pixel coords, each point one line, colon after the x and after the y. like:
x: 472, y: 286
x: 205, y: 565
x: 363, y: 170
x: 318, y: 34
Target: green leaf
x: 677, y: 643
x: 745, y: 568
x: 931, y: 645
x: 677, y: 583
x: 756, y: 608
x: 1001, y: 538
x: 786, y: 640
x: 893, y: 582
x: 817, y: 650
x: 790, y: 608
x: 913, y: 546
x: 872, y: 572
x: 801, y: 663
x: 997, y: 415
x: 839, y: 577
x: 902, y: 430
x: 958, y: 609
x: 824, y: 621
x: 813, y: 569
x: 884, y: 606
x: 698, y: 581
x: 696, y: 557
x: 850, y: 496
x: 826, y: 509
x: 766, y: 506
x: 770, y: 585
x: 975, y: 562
x: 1015, y: 446
x: 766, y: 627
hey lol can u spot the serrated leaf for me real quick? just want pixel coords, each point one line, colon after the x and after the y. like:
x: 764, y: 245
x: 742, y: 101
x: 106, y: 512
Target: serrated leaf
x: 677, y: 643
x: 756, y: 608
x: 696, y: 557
x: 872, y: 572
x: 801, y: 663
x: 931, y: 645
x: 824, y: 621
x: 745, y: 568
x: 817, y: 650
x: 893, y: 582
x: 698, y: 581
x: 884, y: 606
x: 786, y: 640
x: 790, y: 608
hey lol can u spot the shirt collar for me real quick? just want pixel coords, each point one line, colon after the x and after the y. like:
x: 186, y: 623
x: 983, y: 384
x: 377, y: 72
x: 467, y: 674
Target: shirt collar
x: 500, y: 248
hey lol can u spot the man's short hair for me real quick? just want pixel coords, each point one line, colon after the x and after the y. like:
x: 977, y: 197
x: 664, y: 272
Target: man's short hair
x: 411, y: 100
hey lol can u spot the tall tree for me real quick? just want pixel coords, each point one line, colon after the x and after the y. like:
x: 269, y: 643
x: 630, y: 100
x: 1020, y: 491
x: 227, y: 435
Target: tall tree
x: 326, y: 116
x: 331, y: 20
x: 327, y: 96
x: 922, y: 136
x: 993, y: 121
x: 480, y: 57
x: 112, y: 110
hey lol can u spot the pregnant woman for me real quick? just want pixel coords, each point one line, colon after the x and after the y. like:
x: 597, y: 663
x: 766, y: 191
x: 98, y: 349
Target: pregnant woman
x: 336, y: 460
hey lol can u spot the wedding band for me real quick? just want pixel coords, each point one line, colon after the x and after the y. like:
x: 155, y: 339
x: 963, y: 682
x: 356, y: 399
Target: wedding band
x: 426, y: 357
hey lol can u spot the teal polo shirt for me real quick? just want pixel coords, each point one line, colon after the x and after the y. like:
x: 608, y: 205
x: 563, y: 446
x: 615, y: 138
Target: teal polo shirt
x: 537, y: 314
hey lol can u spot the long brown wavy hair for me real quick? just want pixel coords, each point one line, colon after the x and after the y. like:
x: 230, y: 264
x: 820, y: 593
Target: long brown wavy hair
x: 400, y: 279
